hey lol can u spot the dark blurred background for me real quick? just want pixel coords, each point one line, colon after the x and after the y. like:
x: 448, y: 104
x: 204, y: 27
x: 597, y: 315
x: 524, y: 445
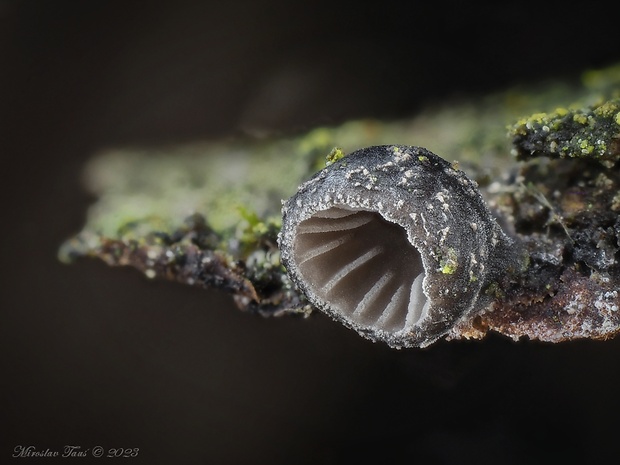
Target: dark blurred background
x: 98, y: 356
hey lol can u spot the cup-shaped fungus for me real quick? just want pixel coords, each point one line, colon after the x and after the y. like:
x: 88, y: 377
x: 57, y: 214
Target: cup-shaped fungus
x: 393, y: 242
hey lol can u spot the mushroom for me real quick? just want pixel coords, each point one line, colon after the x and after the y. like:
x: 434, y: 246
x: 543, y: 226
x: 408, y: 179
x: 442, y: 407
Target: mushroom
x: 395, y: 243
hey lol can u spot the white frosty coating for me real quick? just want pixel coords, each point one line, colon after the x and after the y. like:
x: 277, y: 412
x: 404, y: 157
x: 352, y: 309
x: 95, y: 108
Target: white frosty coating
x: 607, y: 305
x: 351, y: 257
x: 607, y: 301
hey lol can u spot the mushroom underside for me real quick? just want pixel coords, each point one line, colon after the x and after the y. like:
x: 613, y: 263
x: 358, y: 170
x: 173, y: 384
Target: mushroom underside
x: 363, y: 267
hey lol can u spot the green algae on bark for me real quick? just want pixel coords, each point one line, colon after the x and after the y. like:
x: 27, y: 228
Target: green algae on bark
x: 592, y: 132
x: 208, y: 214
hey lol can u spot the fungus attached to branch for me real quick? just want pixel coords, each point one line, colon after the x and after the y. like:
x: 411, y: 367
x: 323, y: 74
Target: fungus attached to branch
x: 392, y: 241
x: 395, y: 243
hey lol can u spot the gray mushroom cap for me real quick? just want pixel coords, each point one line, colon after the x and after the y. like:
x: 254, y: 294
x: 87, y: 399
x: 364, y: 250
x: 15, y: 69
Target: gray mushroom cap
x: 393, y: 242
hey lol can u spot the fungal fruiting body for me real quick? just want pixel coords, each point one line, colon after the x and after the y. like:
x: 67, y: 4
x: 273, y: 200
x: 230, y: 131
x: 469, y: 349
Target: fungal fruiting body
x: 395, y: 243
